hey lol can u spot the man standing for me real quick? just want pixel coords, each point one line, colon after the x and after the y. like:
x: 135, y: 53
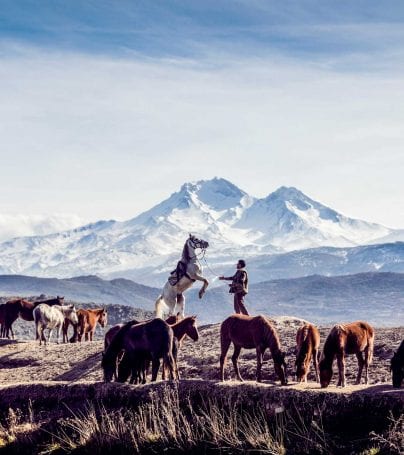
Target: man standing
x: 238, y: 287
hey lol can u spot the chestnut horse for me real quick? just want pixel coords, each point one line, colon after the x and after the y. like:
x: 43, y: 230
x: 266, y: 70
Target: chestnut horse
x: 251, y: 332
x: 307, y: 346
x: 353, y: 338
x: 88, y: 322
x: 152, y: 338
x: 397, y: 366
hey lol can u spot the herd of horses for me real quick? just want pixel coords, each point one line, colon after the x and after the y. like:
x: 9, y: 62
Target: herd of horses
x: 130, y: 348
x: 51, y: 314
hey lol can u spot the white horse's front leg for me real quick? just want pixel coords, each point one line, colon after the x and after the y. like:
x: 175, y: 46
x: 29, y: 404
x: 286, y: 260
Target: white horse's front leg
x: 205, y: 284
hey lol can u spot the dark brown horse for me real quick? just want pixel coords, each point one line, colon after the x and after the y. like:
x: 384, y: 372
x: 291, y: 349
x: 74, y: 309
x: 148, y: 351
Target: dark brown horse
x: 115, y: 329
x: 11, y: 310
x: 135, y: 368
x: 397, y: 366
x: 353, y: 338
x: 251, y: 332
x: 307, y: 346
x: 151, y: 338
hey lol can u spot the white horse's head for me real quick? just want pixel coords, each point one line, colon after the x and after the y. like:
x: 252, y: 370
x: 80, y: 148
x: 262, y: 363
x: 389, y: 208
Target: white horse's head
x: 194, y: 242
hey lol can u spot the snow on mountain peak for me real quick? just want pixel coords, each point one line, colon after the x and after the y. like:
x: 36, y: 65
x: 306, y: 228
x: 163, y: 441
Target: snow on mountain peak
x: 233, y: 222
x: 217, y: 193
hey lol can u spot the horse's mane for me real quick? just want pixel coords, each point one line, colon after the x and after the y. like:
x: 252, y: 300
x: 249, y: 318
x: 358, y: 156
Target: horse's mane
x: 185, y: 252
x: 330, y: 342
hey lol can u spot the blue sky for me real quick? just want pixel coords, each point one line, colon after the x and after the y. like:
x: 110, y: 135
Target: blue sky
x: 106, y: 107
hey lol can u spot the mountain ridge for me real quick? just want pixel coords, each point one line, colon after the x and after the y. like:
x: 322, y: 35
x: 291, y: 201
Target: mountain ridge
x: 234, y: 223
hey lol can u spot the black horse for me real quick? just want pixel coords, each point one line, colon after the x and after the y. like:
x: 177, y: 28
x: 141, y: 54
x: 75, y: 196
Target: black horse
x: 152, y: 339
x: 397, y: 366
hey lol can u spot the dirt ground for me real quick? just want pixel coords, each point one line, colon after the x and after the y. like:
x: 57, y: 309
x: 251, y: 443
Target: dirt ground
x: 25, y: 361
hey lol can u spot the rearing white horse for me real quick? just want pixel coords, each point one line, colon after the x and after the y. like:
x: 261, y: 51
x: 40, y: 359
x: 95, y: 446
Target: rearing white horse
x: 187, y: 272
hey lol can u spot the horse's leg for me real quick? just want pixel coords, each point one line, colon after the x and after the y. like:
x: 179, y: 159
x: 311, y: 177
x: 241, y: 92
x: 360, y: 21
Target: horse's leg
x: 168, y: 362
x: 368, y: 359
x: 341, y: 369
x: 50, y: 335
x: 155, y: 368
x: 159, y: 307
x: 204, y: 286
x: 234, y: 357
x: 59, y: 333
x: 181, y: 305
x: 315, y: 363
x: 260, y: 355
x: 361, y: 363
x: 39, y: 333
x: 225, y: 344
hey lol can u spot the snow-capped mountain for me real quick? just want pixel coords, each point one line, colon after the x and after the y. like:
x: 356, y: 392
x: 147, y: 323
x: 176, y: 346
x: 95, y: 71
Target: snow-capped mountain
x: 148, y: 245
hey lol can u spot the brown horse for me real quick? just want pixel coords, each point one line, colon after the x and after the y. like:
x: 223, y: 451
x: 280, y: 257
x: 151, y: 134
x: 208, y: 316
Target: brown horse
x: 151, y: 338
x: 307, y: 346
x: 88, y: 320
x: 354, y: 338
x: 251, y: 332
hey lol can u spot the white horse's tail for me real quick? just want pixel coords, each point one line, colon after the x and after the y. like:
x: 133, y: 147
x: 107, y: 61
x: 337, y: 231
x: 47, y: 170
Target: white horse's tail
x: 159, y: 307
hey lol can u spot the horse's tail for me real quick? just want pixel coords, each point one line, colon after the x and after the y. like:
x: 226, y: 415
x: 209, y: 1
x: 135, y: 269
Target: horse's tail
x: 159, y: 307
x: 37, y: 317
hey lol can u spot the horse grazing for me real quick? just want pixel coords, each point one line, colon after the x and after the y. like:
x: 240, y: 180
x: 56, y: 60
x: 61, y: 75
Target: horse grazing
x: 353, y: 338
x: 52, y: 317
x: 397, y: 366
x: 251, y: 332
x: 182, y: 278
x: 88, y: 320
x: 150, y: 338
x: 307, y: 346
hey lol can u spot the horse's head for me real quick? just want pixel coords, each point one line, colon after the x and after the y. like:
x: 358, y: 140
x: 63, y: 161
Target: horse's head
x: 197, y: 243
x: 281, y: 367
x: 192, y: 329
x: 397, y: 369
x: 325, y: 373
x: 103, y: 320
x: 71, y: 314
x: 108, y: 367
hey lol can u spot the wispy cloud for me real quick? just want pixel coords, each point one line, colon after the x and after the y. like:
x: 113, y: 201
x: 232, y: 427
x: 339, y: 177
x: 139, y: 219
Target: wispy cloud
x: 28, y: 225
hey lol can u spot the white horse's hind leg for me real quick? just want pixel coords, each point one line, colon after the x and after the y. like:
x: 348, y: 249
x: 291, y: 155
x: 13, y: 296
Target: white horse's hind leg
x: 160, y: 307
x: 181, y: 305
